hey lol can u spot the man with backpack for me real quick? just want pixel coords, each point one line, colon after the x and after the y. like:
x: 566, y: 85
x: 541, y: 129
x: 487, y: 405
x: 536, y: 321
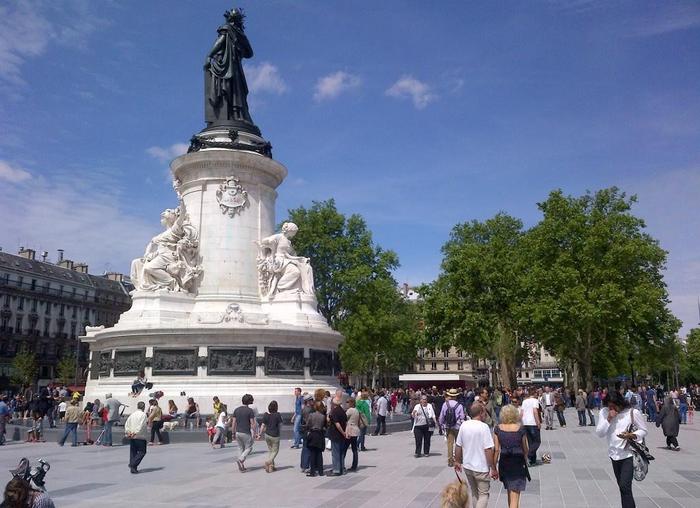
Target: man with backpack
x: 451, y: 418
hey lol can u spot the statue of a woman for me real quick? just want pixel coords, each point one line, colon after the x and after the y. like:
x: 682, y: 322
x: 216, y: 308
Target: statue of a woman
x: 225, y: 87
x: 280, y: 269
x: 170, y: 260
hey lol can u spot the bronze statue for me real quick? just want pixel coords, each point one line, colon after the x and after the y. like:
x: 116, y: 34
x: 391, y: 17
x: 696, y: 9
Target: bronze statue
x: 225, y: 87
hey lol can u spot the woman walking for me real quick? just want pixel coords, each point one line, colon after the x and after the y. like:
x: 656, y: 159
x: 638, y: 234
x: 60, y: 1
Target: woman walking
x: 423, y: 415
x: 352, y: 430
x: 620, y: 424
x: 510, y: 441
x: 155, y: 418
x: 581, y: 408
x: 669, y: 420
x: 271, y: 423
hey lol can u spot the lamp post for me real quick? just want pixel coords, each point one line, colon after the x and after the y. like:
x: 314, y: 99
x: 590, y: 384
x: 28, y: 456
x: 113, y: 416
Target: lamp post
x: 630, y: 358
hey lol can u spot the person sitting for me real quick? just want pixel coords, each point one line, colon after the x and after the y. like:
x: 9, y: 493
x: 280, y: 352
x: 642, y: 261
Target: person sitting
x: 192, y: 412
x: 139, y: 384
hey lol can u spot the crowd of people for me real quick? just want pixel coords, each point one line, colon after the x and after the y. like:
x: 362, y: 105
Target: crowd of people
x: 490, y: 433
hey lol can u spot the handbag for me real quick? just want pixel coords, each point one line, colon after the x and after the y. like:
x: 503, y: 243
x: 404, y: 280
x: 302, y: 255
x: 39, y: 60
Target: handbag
x: 431, y: 420
x: 640, y: 453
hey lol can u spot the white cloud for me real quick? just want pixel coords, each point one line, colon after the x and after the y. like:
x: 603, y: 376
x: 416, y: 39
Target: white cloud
x: 409, y: 87
x: 265, y: 78
x: 671, y: 18
x: 81, y: 214
x: 331, y: 86
x: 28, y: 28
x: 168, y: 153
x: 13, y: 174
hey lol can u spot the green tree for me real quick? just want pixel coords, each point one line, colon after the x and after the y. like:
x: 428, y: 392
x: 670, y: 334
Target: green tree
x: 355, y: 289
x: 692, y: 356
x: 24, y: 368
x: 475, y: 302
x: 596, y: 294
x: 66, y: 369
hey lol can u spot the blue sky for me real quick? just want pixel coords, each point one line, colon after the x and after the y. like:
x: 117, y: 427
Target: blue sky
x: 416, y: 115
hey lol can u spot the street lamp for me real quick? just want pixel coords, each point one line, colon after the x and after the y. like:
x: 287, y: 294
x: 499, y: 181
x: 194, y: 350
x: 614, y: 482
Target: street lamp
x: 630, y: 358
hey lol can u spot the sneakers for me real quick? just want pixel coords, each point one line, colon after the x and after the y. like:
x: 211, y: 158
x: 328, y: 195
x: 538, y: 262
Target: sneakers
x: 241, y: 466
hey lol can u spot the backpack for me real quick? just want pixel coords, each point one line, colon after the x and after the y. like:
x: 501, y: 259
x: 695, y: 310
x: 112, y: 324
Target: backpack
x: 451, y: 416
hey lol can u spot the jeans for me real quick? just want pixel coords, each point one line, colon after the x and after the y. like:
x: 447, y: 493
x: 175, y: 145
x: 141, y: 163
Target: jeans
x: 71, y: 428
x: 219, y: 437
x: 560, y: 416
x: 381, y: 422
x: 590, y: 415
x: 581, y: 417
x: 273, y: 448
x: 422, y: 435
x: 245, y: 445
x: 533, y: 442
x: 305, y: 457
x: 623, y: 470
x: 107, y: 437
x: 651, y: 411
x: 479, y: 484
x: 683, y: 410
x: 361, y: 438
x: 155, y: 431
x: 352, y: 444
x: 338, y: 456
x: 137, y: 451
x: 497, y: 412
x: 297, y: 430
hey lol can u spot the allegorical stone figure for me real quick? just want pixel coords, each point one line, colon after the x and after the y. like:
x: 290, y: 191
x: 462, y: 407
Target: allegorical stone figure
x: 170, y: 260
x: 280, y: 269
x: 225, y: 87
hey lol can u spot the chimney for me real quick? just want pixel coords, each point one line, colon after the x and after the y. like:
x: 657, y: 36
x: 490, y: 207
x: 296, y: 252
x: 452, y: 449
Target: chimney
x: 26, y: 253
x: 114, y: 276
x: 81, y: 267
x: 65, y: 263
x: 60, y: 256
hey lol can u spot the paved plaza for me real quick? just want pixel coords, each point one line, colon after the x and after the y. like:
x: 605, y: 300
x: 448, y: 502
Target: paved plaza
x: 194, y: 475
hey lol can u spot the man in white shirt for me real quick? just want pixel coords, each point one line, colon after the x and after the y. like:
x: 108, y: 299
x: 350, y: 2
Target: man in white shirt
x: 548, y: 408
x: 382, y: 410
x: 474, y: 454
x: 530, y: 413
x: 135, y: 430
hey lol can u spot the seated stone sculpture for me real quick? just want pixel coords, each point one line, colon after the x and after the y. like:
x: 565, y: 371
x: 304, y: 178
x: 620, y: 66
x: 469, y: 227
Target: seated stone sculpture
x: 280, y: 270
x: 170, y: 260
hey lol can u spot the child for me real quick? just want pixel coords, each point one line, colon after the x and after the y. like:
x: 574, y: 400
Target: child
x: 210, y: 430
x: 62, y: 409
x: 36, y: 432
x: 220, y: 428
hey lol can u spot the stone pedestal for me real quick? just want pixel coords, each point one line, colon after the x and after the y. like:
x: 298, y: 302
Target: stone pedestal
x: 224, y: 338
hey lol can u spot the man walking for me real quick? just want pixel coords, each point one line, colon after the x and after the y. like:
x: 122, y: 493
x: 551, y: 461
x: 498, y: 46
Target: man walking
x: 243, y: 427
x: 73, y: 417
x: 296, y: 418
x: 450, y: 419
x: 548, y: 403
x: 135, y: 430
x: 532, y: 424
x: 382, y: 410
x: 362, y: 406
x: 474, y: 454
x: 112, y: 407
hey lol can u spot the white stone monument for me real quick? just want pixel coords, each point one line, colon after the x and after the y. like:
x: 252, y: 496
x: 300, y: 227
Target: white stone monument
x: 223, y: 306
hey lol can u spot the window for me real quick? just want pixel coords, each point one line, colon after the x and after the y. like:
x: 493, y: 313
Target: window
x: 527, y: 374
x: 445, y: 353
x: 433, y: 365
x: 33, y: 286
x: 34, y: 304
x: 20, y: 304
x: 460, y: 365
x: 459, y: 353
x: 433, y: 353
x: 18, y: 325
x: 446, y: 366
x: 47, y: 326
x: 62, y: 312
x: 421, y: 365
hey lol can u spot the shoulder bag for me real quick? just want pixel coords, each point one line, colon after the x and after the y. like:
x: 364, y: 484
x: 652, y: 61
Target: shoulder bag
x: 640, y: 453
x: 431, y: 420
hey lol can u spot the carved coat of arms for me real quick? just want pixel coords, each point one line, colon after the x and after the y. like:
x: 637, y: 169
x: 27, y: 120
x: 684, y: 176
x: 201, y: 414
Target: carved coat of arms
x: 231, y: 196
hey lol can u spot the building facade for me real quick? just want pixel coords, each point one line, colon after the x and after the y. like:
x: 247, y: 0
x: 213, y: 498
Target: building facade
x: 45, y: 307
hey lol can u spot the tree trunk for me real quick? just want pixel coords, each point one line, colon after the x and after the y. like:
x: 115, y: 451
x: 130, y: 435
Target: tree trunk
x: 588, y: 361
x: 575, y: 375
x: 507, y: 347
